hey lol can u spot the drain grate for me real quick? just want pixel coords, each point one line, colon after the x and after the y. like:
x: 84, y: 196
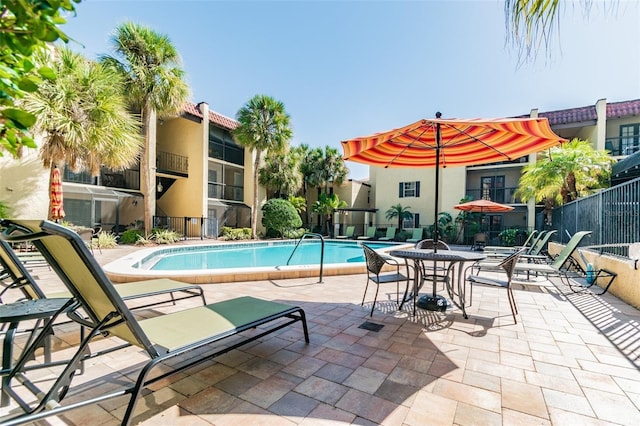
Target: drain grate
x: 371, y: 326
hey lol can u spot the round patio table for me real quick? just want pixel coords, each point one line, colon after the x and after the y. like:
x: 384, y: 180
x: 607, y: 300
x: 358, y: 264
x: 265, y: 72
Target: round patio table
x: 451, y: 258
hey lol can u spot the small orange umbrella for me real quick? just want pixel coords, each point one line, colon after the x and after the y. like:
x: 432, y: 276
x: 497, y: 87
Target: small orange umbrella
x: 443, y: 142
x: 56, y: 212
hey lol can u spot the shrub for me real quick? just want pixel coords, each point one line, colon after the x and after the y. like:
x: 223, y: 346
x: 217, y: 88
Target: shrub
x: 232, y: 234
x: 294, y: 233
x: 508, y: 236
x: 165, y: 236
x: 104, y: 240
x: 130, y: 236
x: 280, y: 215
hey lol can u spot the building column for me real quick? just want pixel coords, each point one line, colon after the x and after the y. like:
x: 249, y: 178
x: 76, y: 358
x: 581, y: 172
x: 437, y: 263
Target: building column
x: 601, y: 124
x: 204, y: 109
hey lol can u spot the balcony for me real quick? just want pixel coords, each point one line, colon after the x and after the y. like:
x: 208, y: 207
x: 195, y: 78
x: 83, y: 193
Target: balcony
x: 622, y: 145
x: 223, y: 191
x: 498, y: 195
x: 172, y: 164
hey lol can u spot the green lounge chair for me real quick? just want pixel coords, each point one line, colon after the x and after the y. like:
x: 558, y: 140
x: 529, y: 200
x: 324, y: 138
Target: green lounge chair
x: 416, y: 236
x: 100, y: 309
x: 562, y: 266
x: 21, y: 279
x: 348, y: 233
x: 371, y: 234
x: 390, y: 235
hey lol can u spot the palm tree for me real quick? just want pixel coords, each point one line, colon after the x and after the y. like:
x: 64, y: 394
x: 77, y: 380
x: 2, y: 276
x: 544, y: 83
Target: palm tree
x: 281, y: 173
x: 530, y: 24
x: 326, y: 205
x: 399, y: 212
x: 155, y: 85
x: 264, y: 126
x: 83, y: 115
x: 565, y: 173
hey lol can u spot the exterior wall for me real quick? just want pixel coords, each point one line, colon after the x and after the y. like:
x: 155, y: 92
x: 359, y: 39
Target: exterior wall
x: 385, y: 183
x: 24, y: 185
x: 184, y: 198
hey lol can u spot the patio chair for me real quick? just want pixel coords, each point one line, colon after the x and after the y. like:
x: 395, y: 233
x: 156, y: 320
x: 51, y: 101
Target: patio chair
x: 479, y: 241
x: 348, y: 233
x: 416, y: 236
x: 371, y: 234
x: 162, y: 338
x: 390, y: 235
x: 375, y: 263
x: 509, y: 266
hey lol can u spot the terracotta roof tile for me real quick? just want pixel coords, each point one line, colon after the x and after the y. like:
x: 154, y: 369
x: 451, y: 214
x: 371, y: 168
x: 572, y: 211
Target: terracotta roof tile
x: 214, y: 117
x: 588, y: 113
x: 622, y: 109
x: 572, y: 115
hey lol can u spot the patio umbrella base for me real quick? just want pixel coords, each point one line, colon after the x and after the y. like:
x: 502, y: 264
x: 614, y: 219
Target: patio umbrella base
x: 432, y: 303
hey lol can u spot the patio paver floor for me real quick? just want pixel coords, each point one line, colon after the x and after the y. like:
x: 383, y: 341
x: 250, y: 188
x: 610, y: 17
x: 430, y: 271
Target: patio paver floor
x: 572, y: 358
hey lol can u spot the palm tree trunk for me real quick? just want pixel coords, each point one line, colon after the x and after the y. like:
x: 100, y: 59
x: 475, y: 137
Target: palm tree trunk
x: 254, y: 207
x: 148, y: 168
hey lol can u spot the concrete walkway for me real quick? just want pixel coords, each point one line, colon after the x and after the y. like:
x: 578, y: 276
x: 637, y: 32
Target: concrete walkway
x: 570, y: 359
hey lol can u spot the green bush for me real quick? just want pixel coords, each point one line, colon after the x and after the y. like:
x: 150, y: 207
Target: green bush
x: 508, y: 236
x: 294, y: 233
x: 232, y: 234
x: 130, y: 236
x: 104, y: 240
x: 280, y: 215
x: 165, y: 236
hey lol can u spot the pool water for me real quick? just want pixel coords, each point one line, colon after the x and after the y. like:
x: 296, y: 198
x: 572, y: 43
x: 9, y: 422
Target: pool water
x: 255, y: 255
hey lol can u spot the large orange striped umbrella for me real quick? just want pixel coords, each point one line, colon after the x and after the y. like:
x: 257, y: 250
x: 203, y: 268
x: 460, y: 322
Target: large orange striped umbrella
x: 452, y: 142
x: 56, y: 212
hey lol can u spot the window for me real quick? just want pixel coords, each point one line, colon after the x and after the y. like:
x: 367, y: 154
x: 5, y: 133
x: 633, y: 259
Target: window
x: 492, y: 188
x: 223, y: 147
x: 629, y: 139
x: 409, y: 189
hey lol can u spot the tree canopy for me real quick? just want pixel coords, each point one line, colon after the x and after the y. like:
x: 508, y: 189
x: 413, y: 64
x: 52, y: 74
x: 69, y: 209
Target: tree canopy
x: 564, y: 173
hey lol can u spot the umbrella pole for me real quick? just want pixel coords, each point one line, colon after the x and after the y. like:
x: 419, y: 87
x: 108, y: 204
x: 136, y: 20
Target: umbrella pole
x: 435, y: 217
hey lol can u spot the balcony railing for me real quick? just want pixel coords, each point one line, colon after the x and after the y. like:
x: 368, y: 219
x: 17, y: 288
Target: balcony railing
x: 520, y: 160
x: 225, y: 192
x: 167, y: 162
x: 498, y: 195
x: 124, y: 179
x: 622, y: 145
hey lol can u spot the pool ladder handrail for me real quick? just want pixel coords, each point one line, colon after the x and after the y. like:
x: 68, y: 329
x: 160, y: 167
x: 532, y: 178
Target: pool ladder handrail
x: 315, y: 235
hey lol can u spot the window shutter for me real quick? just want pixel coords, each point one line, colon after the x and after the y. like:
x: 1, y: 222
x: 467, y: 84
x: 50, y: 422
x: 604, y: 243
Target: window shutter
x: 417, y: 188
x: 401, y: 190
x: 416, y: 220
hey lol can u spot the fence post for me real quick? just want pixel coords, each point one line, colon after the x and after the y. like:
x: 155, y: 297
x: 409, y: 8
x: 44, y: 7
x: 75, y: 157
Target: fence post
x: 202, y: 227
x: 186, y: 221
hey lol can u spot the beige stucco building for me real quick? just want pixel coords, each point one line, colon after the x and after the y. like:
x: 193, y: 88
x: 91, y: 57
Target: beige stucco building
x: 613, y: 126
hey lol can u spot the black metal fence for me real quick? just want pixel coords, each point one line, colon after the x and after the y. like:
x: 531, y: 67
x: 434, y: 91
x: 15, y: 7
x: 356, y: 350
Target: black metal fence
x: 613, y: 216
x: 188, y: 227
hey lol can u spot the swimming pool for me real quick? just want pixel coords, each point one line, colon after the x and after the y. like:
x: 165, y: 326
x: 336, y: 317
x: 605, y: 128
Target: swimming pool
x: 242, y: 261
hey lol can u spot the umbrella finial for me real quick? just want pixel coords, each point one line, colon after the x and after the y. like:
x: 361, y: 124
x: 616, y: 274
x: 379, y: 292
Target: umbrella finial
x: 438, y: 114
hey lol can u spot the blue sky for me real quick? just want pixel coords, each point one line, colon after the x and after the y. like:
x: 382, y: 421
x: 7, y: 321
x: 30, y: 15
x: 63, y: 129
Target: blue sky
x: 351, y: 68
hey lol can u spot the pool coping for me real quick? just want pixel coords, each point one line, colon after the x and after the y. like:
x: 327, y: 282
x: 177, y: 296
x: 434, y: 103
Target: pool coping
x: 122, y: 270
